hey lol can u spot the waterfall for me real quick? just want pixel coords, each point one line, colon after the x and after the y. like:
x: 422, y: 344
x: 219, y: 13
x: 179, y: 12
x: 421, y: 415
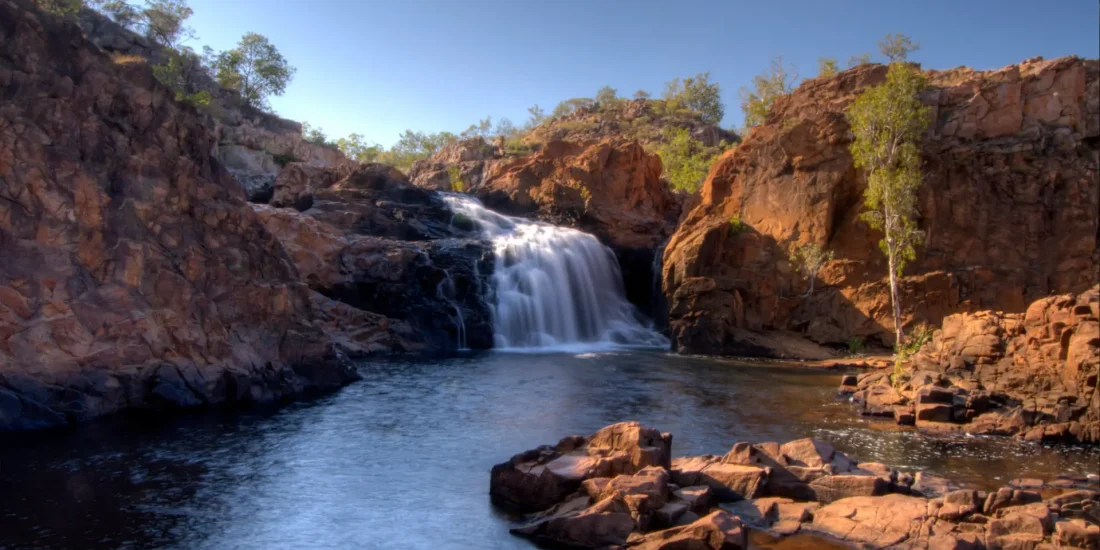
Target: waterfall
x: 446, y: 291
x: 555, y: 287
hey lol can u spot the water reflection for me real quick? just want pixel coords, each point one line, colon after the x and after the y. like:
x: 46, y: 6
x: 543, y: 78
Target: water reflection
x: 401, y: 459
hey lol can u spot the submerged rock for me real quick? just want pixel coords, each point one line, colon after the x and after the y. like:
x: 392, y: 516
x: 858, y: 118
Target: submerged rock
x: 584, y: 496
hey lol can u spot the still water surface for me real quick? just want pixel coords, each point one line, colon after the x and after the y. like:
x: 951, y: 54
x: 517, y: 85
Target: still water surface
x: 402, y: 458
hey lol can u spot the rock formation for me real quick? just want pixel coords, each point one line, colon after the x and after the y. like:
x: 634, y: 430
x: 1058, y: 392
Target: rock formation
x: 617, y: 489
x: 252, y: 144
x: 1031, y: 375
x: 611, y: 189
x: 1009, y: 205
x: 133, y: 273
x: 375, y: 242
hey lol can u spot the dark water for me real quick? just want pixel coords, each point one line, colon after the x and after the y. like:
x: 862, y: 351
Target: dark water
x: 401, y: 459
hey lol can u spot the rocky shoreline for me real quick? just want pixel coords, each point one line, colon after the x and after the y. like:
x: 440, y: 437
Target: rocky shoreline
x: 621, y: 488
x: 1032, y: 375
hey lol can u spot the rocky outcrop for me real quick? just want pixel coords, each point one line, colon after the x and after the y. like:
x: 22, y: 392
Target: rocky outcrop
x: 133, y: 273
x: 1009, y: 206
x: 374, y: 242
x: 611, y: 189
x: 1032, y: 375
x: 590, y: 495
x: 252, y: 144
x: 644, y: 120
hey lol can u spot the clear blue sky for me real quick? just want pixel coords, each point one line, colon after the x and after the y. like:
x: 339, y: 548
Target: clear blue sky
x: 379, y: 67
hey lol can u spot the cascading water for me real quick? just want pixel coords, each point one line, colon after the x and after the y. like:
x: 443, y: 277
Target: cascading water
x: 555, y: 287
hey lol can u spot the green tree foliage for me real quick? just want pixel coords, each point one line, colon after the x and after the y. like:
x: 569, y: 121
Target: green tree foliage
x: 569, y: 106
x: 757, y: 102
x: 897, y: 47
x: 537, y: 116
x: 809, y: 259
x: 315, y: 136
x: 255, y: 69
x: 857, y: 60
x: 697, y: 93
x: 686, y: 160
x: 119, y: 11
x: 63, y: 8
x: 505, y: 128
x: 179, y: 75
x: 484, y: 129
x: 356, y: 148
x: 454, y: 173
x: 826, y: 66
x: 888, y: 122
x: 607, y: 97
x: 413, y: 146
x: 641, y: 94
x: 163, y: 21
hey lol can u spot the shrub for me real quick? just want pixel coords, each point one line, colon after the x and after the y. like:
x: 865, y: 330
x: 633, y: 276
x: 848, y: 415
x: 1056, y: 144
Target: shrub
x: 736, y: 225
x: 284, y: 159
x: 855, y: 345
x: 698, y: 95
x: 826, y: 66
x: 455, y: 174
x: 903, y: 351
x: 686, y: 160
x: 757, y: 102
x: 809, y: 258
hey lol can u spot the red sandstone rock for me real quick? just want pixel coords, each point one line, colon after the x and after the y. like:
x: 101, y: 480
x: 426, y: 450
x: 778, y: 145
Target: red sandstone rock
x: 133, y: 273
x: 792, y: 181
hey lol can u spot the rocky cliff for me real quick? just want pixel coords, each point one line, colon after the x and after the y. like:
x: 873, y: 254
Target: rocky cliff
x: 611, y: 188
x: 133, y: 274
x: 373, y: 241
x: 1009, y: 205
x: 252, y: 144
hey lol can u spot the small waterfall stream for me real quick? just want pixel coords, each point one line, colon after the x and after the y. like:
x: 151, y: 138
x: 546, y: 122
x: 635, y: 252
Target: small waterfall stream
x: 555, y: 287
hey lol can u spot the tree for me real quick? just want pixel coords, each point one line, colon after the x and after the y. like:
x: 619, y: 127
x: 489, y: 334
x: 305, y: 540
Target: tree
x: 888, y: 122
x: 119, y: 11
x: 897, y: 47
x: 63, y: 8
x: 857, y: 60
x: 686, y: 160
x: 315, y: 136
x: 641, y: 94
x: 538, y: 116
x: 698, y: 94
x: 757, y: 103
x: 505, y: 128
x: 163, y: 21
x: 356, y: 148
x: 413, y: 146
x: 826, y: 66
x: 809, y: 258
x: 255, y: 69
x: 484, y: 128
x: 179, y: 75
x: 607, y: 97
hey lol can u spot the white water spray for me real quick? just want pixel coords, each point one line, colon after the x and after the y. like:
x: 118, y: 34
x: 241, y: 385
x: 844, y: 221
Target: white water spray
x: 555, y: 287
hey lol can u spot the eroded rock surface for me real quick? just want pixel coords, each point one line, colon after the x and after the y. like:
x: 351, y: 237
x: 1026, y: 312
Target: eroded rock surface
x: 133, y: 275
x: 1009, y: 204
x: 583, y: 497
x: 1031, y: 375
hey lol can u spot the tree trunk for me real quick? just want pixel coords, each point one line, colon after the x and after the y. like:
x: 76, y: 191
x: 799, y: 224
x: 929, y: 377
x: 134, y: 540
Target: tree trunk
x: 895, y: 302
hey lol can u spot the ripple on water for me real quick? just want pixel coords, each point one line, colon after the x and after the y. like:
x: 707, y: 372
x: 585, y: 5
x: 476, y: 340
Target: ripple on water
x: 401, y: 458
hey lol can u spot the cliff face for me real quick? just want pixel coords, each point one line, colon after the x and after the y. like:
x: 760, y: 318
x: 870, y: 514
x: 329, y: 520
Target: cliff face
x: 133, y: 274
x: 248, y: 141
x: 1009, y: 205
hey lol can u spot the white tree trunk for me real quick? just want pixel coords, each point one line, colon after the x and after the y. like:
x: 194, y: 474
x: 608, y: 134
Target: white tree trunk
x: 894, y: 301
